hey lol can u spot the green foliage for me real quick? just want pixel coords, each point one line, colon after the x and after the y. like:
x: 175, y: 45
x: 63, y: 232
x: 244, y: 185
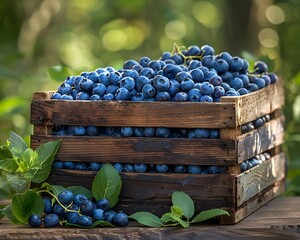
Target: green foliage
x: 58, y: 73
x: 23, y: 164
x: 26, y: 204
x: 182, y: 211
x: 107, y: 184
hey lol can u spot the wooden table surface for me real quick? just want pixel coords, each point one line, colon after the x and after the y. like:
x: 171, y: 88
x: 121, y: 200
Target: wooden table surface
x: 279, y: 219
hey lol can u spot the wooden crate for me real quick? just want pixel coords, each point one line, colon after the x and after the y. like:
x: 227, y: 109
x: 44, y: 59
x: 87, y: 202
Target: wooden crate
x: 239, y: 193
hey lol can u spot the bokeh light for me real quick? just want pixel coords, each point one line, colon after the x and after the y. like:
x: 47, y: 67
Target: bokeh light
x: 175, y: 30
x: 207, y: 14
x: 268, y: 38
x: 275, y: 14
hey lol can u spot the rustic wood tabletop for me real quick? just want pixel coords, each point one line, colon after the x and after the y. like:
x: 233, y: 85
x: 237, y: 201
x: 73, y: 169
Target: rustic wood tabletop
x: 279, y: 219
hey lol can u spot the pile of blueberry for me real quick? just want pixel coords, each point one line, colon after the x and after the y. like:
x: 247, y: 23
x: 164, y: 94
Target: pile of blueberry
x: 257, y: 123
x: 77, y: 209
x: 141, y: 167
x: 195, y: 74
x: 258, y: 159
x: 160, y: 132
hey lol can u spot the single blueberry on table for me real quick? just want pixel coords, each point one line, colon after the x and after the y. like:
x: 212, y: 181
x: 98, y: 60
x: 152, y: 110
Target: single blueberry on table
x: 35, y: 221
x: 51, y: 220
x: 121, y: 220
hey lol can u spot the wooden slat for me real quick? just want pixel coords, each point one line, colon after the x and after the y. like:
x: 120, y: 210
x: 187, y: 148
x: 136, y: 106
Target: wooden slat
x: 254, y: 203
x: 143, y: 150
x: 257, y: 104
x: 152, y: 191
x: 260, y: 140
x: 260, y: 177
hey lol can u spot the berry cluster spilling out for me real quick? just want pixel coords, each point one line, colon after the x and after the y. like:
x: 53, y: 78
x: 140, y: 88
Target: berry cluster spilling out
x: 141, y: 167
x: 160, y: 132
x: 258, y: 159
x: 257, y: 123
x: 195, y: 75
x: 77, y: 209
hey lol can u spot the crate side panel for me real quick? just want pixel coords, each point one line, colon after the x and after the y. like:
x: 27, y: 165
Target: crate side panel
x: 139, y: 114
x: 260, y: 177
x: 259, y: 103
x: 260, y: 140
x: 253, y: 204
x: 143, y: 150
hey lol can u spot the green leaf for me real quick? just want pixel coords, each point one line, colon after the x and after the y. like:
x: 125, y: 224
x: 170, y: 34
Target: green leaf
x: 18, y: 182
x: 183, y: 223
x: 107, y: 184
x: 58, y: 73
x: 167, y: 218
x: 176, y: 211
x: 81, y: 190
x: 26, y: 204
x: 9, y: 165
x: 57, y: 189
x: 16, y: 144
x: 207, y: 214
x: 1, y: 209
x: 147, y: 219
x: 296, y: 109
x: 45, y: 156
x: 7, y: 211
x: 185, y: 203
x: 5, y: 153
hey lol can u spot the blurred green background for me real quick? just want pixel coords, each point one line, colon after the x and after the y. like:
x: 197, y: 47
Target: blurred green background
x: 83, y: 35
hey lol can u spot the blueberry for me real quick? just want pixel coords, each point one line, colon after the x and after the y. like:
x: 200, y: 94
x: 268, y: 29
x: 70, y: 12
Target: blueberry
x: 193, y: 169
x: 260, y: 82
x: 193, y: 50
x: 56, y: 95
x: 47, y: 205
x: 208, y: 61
x: 87, y: 208
x: 232, y: 93
x: 103, y: 204
x: 206, y: 98
x: 138, y: 97
x: 127, y: 82
x: 79, y: 131
x: 126, y: 131
x: 219, y: 92
x: 155, y: 65
x: 226, y: 77
x: 174, y: 87
x: 236, y: 83
x: 161, y: 83
x: 149, y: 131
x: 64, y: 89
x: 98, y: 214
x: 111, y: 89
x: 258, y: 123
x: 128, y: 167
x: 121, y: 220
x: 93, y: 76
x: 178, y: 59
x: 99, y: 89
x: 114, y: 78
x: 260, y: 67
x: 66, y: 97
x: 273, y: 77
x: 171, y: 70
x: 85, y: 221
x: 216, y: 81
x: 235, y: 64
x: 162, y: 132
x: 69, y: 165
x: 108, y: 96
x: 84, y: 74
x: 72, y: 217
x: 70, y: 80
x: 252, y: 87
x: 197, y: 75
x: 147, y: 72
x: 243, y: 167
x: 86, y: 85
x: 194, y: 95
x: 129, y: 64
x: 109, y: 216
x: 144, y: 61
x: 181, y: 76
x: 118, y: 167
x: 186, y: 85
x: 140, y: 167
x: 79, y: 199
x: 65, y: 197
x: 51, y: 220
x: 181, y: 97
x: 35, y: 221
x: 267, y: 79
x: 81, y: 166
x: 214, y: 169
x: 224, y: 55
x: 110, y: 131
x: 57, y: 165
x: 179, y: 168
x: 214, y: 133
x: 193, y: 64
x: 95, y: 97
x: 140, y: 82
x: 162, y: 168
x: 243, y: 91
x: 245, y: 79
x: 95, y: 166
x: 148, y: 90
x: 138, y: 132
x: 207, y: 88
x: 201, y: 133
x: 122, y: 94
x: 92, y: 131
x: 103, y: 78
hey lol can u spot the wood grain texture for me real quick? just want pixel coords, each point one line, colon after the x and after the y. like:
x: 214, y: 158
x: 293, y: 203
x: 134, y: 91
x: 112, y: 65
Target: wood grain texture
x: 139, y: 114
x: 260, y: 140
x: 143, y: 150
x: 257, y: 104
x: 260, y: 177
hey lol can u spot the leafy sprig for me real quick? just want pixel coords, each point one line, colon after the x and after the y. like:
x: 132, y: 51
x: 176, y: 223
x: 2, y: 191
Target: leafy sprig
x: 182, y: 213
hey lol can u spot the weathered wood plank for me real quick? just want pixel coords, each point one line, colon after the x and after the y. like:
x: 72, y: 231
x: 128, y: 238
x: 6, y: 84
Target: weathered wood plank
x: 260, y: 140
x: 257, y: 104
x: 254, y: 203
x: 143, y: 150
x: 260, y: 177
